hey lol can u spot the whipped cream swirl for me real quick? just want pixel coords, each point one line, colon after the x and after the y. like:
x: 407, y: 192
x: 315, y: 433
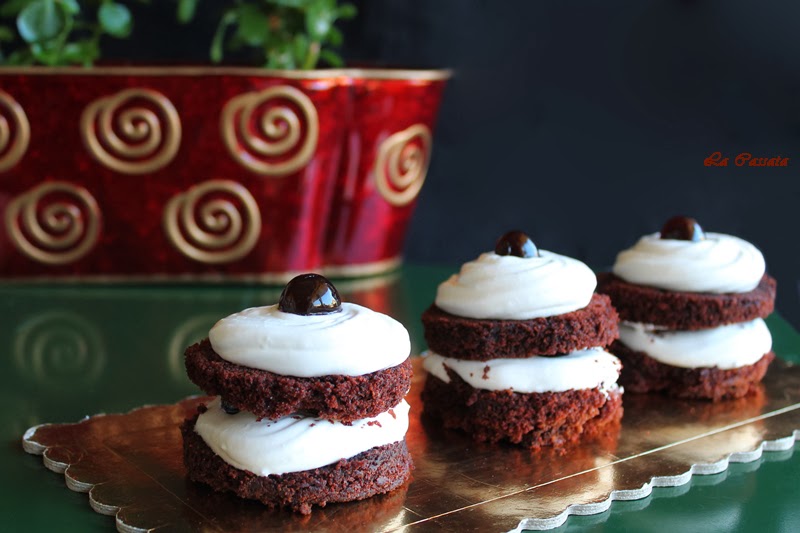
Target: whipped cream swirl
x: 583, y: 369
x: 353, y: 342
x: 718, y: 264
x: 514, y: 288
x: 724, y: 347
x: 294, y: 443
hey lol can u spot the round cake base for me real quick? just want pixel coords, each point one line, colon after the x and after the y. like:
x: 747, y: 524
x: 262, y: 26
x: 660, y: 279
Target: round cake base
x: 641, y: 373
x: 527, y: 420
x: 676, y: 310
x: 270, y: 395
x: 375, y: 471
x: 485, y: 339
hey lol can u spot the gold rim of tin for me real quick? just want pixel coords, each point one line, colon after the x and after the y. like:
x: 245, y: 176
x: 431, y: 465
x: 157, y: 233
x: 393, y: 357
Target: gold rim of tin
x: 365, y: 73
x: 355, y: 270
x: 400, y: 74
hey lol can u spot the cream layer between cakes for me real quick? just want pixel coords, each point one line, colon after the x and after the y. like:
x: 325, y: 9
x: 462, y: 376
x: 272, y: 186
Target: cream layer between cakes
x: 725, y: 347
x: 294, y: 443
x: 584, y: 369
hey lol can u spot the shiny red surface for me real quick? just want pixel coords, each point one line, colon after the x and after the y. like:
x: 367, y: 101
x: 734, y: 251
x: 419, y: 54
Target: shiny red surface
x: 296, y: 209
x: 364, y: 227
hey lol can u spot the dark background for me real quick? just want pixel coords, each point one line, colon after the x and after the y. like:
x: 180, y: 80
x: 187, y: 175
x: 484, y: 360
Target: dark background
x: 584, y: 123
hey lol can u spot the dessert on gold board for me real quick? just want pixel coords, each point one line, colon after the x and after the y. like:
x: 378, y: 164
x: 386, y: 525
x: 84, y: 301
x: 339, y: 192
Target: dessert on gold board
x: 692, y: 306
x: 517, y: 349
x: 310, y: 408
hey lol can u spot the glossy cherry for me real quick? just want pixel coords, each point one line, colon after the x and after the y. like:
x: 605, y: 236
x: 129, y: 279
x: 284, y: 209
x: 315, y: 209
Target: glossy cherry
x: 516, y: 243
x: 683, y: 229
x: 310, y: 294
x: 228, y: 408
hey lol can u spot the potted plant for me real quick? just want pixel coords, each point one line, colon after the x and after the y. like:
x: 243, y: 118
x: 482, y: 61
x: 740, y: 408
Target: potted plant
x: 211, y: 172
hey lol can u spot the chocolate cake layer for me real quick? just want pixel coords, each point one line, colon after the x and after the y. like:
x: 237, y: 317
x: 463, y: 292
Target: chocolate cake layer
x: 528, y: 420
x: 269, y: 395
x: 483, y: 339
x: 641, y: 373
x: 372, y: 472
x: 686, y: 310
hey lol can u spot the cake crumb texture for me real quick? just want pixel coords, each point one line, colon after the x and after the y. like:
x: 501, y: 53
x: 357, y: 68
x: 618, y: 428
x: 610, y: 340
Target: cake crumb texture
x: 641, y: 374
x: 375, y: 471
x: 528, y: 420
x: 687, y: 311
x: 484, y: 339
x: 270, y: 395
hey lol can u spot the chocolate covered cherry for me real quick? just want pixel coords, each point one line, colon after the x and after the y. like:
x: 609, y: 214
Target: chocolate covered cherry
x: 682, y: 229
x: 516, y: 243
x: 310, y: 294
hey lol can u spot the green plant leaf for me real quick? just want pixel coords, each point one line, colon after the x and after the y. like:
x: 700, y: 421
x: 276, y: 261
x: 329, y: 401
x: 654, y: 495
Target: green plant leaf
x: 81, y: 52
x: 320, y: 17
x: 40, y: 21
x: 298, y: 4
x: 331, y: 58
x: 219, y: 35
x: 71, y: 6
x: 281, y: 57
x: 6, y: 34
x: 186, y: 10
x: 12, y: 7
x: 47, y: 53
x: 115, y: 19
x: 19, y: 57
x: 300, y: 45
x: 253, y: 25
x: 347, y: 11
x: 335, y: 37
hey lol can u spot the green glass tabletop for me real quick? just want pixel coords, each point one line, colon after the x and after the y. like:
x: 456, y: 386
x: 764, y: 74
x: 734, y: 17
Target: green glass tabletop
x: 73, y: 351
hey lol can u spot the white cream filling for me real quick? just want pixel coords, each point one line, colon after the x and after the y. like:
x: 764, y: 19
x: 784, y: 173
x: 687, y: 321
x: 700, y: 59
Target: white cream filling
x: 718, y: 264
x: 294, y: 443
x: 583, y: 369
x: 725, y: 347
x: 507, y: 287
x: 353, y: 342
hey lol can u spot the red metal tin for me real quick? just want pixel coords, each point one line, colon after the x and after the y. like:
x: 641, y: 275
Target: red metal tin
x: 183, y: 173
x: 386, y: 160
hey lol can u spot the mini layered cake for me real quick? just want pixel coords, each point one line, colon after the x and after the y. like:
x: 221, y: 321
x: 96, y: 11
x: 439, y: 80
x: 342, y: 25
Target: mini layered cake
x: 516, y: 349
x: 309, y: 406
x: 692, y: 306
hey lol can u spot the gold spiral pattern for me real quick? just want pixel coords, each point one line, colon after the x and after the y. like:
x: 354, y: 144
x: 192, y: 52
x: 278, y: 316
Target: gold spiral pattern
x: 264, y: 130
x: 54, y: 223
x: 402, y: 164
x: 15, y: 131
x: 59, y: 349
x: 214, y: 222
x: 134, y: 131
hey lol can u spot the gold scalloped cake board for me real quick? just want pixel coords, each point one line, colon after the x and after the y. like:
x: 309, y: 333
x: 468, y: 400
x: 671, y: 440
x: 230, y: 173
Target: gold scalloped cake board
x: 131, y: 466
